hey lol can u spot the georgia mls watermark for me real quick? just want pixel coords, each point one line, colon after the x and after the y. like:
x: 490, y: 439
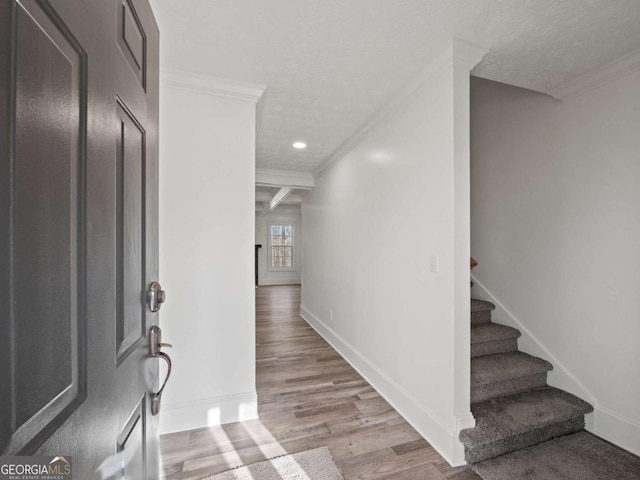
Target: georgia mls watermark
x: 35, y: 468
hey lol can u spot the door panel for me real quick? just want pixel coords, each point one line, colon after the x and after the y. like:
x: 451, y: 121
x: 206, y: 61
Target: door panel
x: 45, y: 220
x: 44, y: 226
x: 79, y: 219
x: 131, y: 445
x: 130, y: 327
x: 132, y: 39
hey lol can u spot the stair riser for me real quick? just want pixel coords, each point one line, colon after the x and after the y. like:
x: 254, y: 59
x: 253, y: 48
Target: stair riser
x: 480, y: 393
x: 527, y: 439
x: 480, y: 317
x: 491, y: 348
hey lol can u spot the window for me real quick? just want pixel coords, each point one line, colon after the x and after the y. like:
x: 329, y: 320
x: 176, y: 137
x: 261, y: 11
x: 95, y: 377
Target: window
x: 281, y: 246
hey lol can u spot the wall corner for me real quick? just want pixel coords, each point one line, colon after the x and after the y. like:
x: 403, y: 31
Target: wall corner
x: 464, y: 56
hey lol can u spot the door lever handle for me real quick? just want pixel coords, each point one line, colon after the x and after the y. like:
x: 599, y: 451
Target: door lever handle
x: 155, y: 344
x: 157, y: 397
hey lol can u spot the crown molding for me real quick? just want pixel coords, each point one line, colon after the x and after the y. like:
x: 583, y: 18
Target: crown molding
x: 598, y: 77
x: 467, y: 54
x: 421, y: 80
x: 208, y: 85
x: 459, y: 52
x: 284, y: 178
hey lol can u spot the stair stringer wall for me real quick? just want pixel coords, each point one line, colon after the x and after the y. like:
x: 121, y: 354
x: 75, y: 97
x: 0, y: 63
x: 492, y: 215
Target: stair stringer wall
x: 560, y: 376
x: 602, y: 422
x: 554, y: 187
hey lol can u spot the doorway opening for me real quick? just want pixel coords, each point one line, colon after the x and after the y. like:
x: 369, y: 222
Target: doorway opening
x: 278, y: 244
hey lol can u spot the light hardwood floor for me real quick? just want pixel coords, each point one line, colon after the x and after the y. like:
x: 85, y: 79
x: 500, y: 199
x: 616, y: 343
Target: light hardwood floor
x: 308, y: 397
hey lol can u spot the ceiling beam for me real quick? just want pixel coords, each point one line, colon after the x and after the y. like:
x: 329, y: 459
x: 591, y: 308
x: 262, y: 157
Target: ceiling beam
x: 262, y: 197
x: 279, y: 197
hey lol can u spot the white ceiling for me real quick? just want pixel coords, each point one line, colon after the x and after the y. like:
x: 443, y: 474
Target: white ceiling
x: 330, y: 64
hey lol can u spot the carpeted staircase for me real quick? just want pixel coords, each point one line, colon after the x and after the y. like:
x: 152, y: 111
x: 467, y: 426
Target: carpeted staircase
x: 510, y: 399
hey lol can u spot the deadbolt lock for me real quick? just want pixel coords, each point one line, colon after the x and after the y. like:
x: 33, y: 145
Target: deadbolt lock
x: 155, y: 297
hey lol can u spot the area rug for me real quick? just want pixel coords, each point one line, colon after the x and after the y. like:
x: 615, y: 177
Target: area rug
x: 316, y: 464
x: 580, y: 456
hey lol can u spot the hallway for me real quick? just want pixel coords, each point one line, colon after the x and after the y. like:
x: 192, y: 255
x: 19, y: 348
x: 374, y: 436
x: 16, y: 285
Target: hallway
x: 308, y: 397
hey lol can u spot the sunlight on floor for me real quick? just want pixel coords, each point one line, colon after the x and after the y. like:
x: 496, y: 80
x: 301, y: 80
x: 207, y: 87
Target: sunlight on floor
x: 265, y: 441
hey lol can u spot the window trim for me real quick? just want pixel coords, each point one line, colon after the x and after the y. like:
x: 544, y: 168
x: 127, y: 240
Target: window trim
x: 293, y: 266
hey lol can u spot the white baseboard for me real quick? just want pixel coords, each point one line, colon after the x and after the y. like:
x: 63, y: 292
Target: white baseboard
x: 616, y: 429
x: 208, y: 412
x: 432, y: 428
x: 468, y: 421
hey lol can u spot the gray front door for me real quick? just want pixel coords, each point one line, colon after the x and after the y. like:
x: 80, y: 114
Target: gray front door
x: 79, y: 233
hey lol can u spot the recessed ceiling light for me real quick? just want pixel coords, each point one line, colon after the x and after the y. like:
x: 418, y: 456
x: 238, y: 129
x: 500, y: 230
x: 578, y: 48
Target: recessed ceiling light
x: 299, y: 145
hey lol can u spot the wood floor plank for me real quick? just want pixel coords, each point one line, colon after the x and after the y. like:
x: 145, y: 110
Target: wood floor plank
x: 308, y: 397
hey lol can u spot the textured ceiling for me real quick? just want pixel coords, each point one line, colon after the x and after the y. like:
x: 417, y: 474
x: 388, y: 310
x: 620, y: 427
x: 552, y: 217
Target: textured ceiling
x: 330, y: 64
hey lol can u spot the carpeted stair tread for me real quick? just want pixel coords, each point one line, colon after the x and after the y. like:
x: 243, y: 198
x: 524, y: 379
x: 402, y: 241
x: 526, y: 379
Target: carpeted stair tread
x: 481, y: 306
x: 492, y: 332
x: 580, y: 456
x: 523, y: 440
x: 506, y: 366
x: 491, y: 338
x: 504, y: 417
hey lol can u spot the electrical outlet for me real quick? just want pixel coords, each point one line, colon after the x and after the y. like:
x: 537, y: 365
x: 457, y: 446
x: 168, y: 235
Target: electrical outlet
x: 433, y: 263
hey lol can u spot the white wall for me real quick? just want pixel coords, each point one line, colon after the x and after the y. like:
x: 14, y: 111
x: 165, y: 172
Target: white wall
x: 207, y: 156
x: 556, y: 232
x: 371, y: 224
x: 289, y: 215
